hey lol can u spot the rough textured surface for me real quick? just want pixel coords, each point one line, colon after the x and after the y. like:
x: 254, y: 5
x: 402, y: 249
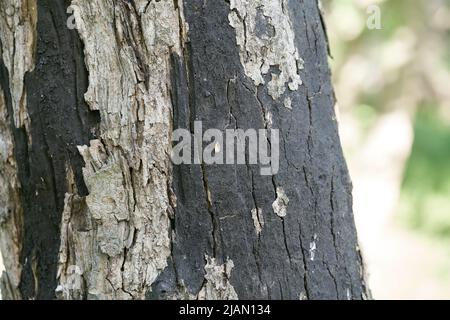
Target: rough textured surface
x: 104, y: 215
x: 217, y: 284
x: 215, y: 213
x: 10, y: 210
x: 280, y: 204
x: 18, y: 36
x: 258, y: 220
x: 266, y: 38
x: 17, y: 41
x: 45, y: 145
x: 128, y: 45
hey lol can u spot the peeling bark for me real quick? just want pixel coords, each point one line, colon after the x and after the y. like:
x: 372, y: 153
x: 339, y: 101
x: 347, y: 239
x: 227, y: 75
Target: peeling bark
x: 279, y: 206
x: 265, y: 35
x: 10, y: 210
x: 18, y: 24
x: 217, y: 284
x: 92, y: 207
x: 127, y: 173
x: 17, y: 39
x: 44, y: 144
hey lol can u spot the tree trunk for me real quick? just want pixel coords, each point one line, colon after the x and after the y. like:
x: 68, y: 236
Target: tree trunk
x: 91, y: 204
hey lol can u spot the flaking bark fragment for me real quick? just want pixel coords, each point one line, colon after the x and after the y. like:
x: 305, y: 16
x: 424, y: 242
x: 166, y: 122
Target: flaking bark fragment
x: 280, y: 204
x: 258, y: 220
x: 266, y: 38
x: 18, y: 36
x: 217, y: 281
x: 10, y: 210
x: 128, y: 171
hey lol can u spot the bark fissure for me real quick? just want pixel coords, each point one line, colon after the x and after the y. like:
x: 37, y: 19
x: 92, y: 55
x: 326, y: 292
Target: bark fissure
x: 128, y: 78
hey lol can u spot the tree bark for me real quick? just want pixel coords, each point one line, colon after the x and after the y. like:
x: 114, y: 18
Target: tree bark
x: 91, y: 205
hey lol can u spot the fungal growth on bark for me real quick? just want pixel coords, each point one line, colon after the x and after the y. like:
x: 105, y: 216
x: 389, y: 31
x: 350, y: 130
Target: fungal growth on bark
x: 91, y: 205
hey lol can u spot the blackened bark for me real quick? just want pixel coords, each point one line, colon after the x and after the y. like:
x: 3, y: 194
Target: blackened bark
x: 279, y: 263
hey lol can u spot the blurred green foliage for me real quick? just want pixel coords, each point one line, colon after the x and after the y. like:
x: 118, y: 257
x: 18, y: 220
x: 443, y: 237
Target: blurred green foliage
x: 425, y: 194
x: 366, y: 116
x: 425, y: 204
x: 401, y: 69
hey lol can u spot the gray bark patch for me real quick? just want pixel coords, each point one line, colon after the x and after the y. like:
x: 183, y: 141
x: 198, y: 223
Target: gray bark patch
x: 266, y: 38
x: 128, y: 46
x: 45, y: 148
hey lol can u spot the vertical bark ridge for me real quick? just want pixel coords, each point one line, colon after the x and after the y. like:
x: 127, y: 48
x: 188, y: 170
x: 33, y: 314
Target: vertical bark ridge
x: 122, y: 238
x: 17, y: 41
x: 45, y: 145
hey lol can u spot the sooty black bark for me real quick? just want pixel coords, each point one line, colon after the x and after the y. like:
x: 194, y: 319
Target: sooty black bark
x: 60, y: 120
x: 312, y: 252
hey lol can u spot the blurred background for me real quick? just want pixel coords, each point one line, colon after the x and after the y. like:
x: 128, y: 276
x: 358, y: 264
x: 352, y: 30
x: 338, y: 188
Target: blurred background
x: 392, y: 82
